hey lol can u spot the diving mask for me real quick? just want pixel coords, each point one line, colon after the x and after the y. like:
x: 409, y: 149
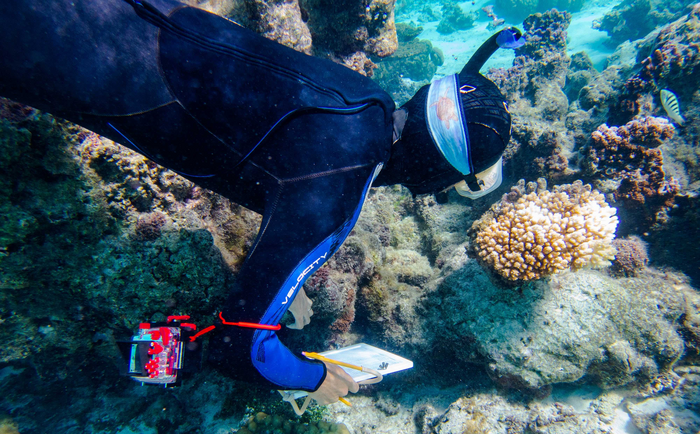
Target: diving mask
x: 445, y: 119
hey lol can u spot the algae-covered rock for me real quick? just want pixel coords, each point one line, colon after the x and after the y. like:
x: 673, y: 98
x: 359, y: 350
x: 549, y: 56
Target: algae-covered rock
x: 575, y: 325
x: 413, y: 64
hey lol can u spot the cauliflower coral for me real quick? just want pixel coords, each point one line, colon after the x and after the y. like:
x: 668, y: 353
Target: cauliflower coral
x: 533, y: 232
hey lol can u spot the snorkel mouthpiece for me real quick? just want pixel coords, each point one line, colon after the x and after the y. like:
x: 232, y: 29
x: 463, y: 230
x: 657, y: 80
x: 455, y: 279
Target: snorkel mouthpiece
x: 510, y: 38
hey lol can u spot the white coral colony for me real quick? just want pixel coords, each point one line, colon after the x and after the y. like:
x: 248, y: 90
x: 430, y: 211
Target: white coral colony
x: 670, y: 103
x: 529, y: 236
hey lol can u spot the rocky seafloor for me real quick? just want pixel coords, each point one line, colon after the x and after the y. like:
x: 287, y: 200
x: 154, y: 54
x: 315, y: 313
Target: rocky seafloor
x: 95, y: 239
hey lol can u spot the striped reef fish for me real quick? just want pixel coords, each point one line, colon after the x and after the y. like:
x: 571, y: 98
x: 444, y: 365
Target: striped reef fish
x: 670, y: 103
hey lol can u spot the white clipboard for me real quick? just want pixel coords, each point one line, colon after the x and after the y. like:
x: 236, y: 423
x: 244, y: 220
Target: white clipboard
x: 363, y: 355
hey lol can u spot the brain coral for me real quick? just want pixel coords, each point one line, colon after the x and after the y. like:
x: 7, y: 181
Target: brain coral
x: 533, y: 232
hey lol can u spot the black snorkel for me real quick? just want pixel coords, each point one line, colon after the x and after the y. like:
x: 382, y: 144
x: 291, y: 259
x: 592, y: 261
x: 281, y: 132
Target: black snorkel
x: 510, y: 37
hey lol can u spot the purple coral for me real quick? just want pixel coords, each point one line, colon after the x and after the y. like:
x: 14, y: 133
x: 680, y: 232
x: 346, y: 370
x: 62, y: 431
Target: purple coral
x: 631, y: 257
x: 630, y: 155
x: 545, y: 33
x: 148, y: 227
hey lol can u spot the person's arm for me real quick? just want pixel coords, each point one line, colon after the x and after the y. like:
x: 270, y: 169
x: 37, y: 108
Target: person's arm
x: 305, y: 222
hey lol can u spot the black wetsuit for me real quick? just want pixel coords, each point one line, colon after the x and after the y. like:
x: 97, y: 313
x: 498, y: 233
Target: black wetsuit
x: 198, y: 97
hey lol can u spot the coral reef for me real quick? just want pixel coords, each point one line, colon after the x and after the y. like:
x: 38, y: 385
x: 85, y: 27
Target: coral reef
x: 557, y: 103
x: 95, y: 238
x: 634, y: 19
x: 629, y: 156
x: 495, y: 21
x: 546, y: 33
x: 535, y: 233
x: 348, y: 32
x: 517, y: 10
x: 402, y: 281
x: 679, y: 234
x: 411, y: 66
x: 577, y: 325
x: 86, y: 243
x: 7, y: 426
x: 268, y: 424
x: 669, y: 58
x: 454, y: 18
x: 540, y: 145
x: 406, y: 32
x: 416, y: 60
x: 675, y: 54
x: 345, y: 30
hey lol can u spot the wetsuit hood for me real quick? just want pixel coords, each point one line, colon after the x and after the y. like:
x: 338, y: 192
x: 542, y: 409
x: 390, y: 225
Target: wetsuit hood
x: 475, y: 128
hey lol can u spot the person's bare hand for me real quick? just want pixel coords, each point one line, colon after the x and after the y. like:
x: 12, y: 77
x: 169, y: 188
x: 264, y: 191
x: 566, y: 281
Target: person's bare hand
x: 301, y: 309
x: 337, y: 383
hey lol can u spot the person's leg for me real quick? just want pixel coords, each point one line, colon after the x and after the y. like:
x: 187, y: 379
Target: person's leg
x: 68, y: 56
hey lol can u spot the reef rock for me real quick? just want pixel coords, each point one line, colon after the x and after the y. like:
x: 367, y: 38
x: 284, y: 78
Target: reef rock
x: 454, y: 18
x: 578, y: 324
x: 540, y: 143
x: 634, y: 19
x: 91, y: 231
x: 348, y: 31
x: 669, y: 59
x: 517, y: 10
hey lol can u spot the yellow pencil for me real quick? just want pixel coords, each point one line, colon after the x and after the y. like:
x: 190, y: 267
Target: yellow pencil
x: 318, y: 356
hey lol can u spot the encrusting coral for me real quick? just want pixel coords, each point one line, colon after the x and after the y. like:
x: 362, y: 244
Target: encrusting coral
x: 631, y: 257
x: 533, y: 232
x: 630, y: 155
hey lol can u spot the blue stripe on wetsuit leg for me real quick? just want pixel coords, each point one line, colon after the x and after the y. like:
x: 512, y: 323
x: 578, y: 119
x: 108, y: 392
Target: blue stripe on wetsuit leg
x: 277, y: 362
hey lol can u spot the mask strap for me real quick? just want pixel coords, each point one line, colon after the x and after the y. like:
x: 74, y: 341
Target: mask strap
x: 472, y: 182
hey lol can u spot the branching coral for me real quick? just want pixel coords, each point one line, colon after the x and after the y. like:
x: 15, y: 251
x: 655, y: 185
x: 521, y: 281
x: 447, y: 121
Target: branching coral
x: 533, y: 232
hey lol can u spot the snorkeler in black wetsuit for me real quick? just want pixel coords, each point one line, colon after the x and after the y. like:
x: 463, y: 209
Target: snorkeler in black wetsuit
x: 295, y: 138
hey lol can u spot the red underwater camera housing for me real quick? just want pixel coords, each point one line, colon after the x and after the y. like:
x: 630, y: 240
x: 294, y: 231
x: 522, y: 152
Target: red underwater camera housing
x: 156, y: 353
